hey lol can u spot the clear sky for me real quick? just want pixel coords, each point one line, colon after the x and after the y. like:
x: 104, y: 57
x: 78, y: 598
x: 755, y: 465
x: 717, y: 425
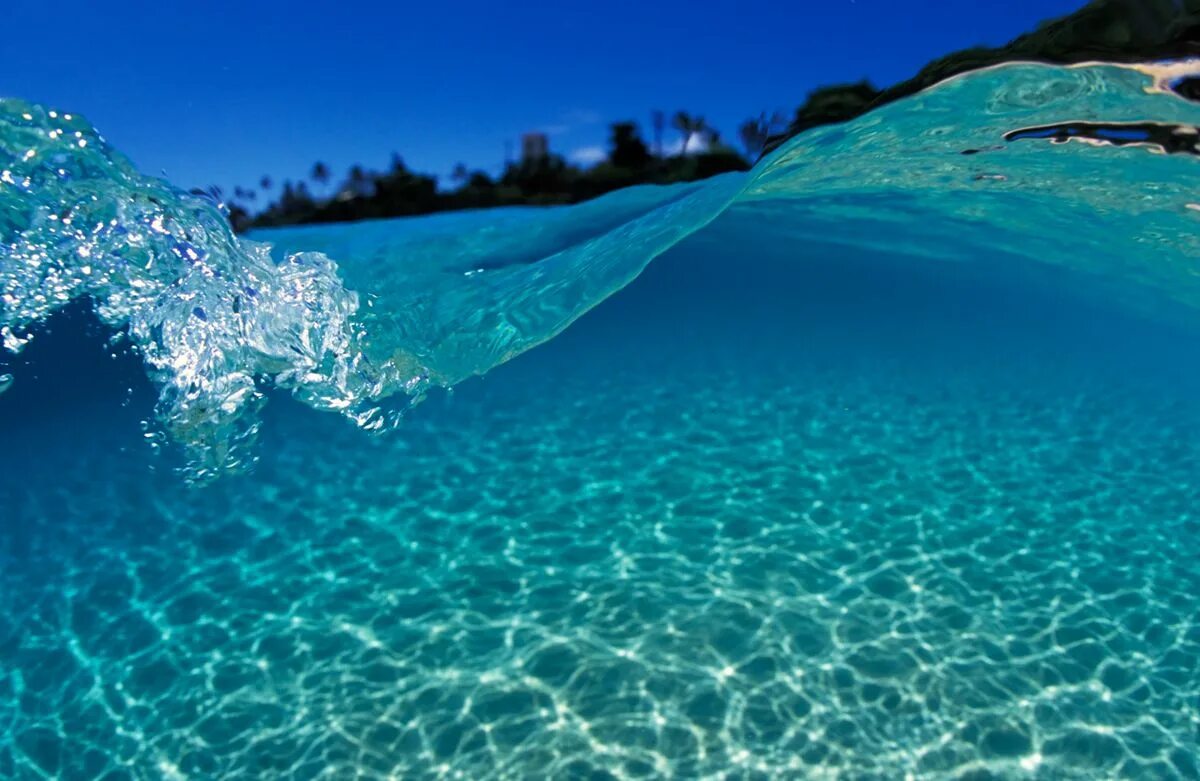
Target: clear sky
x: 221, y: 93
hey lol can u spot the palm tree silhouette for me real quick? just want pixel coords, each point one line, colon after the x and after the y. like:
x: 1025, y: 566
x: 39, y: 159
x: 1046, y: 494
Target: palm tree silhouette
x: 320, y: 174
x: 658, y: 120
x: 757, y: 131
x: 702, y: 130
x: 682, y: 121
x: 265, y: 183
x: 689, y: 126
x: 359, y: 182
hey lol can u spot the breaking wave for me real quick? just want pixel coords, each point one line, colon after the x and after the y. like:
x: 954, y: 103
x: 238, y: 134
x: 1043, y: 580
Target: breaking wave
x: 1087, y: 168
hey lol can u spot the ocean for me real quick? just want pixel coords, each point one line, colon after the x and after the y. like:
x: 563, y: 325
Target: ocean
x: 880, y: 461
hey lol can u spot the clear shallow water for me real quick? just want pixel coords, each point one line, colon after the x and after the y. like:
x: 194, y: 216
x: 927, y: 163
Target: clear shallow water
x: 863, y: 484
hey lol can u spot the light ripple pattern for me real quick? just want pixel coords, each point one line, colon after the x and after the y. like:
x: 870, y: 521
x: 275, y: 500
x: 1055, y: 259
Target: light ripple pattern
x: 885, y: 468
x: 882, y: 538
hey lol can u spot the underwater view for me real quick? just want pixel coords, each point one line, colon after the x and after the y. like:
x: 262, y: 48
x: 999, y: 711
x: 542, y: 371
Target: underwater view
x: 880, y: 460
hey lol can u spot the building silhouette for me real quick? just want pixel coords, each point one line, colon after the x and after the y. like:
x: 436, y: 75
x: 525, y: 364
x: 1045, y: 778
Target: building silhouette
x: 534, y: 147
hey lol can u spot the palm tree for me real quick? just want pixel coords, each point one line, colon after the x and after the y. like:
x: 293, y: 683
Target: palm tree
x: 702, y: 131
x: 265, y: 183
x: 682, y: 121
x: 320, y: 174
x: 689, y: 126
x: 756, y: 132
x: 359, y: 182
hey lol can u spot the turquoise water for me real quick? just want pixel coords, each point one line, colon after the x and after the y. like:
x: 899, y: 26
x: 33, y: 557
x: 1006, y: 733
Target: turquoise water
x: 877, y: 462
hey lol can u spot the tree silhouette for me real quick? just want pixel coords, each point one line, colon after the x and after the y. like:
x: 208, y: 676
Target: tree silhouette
x: 689, y: 127
x: 628, y: 150
x: 397, y: 190
x: 359, y: 182
x: 702, y: 130
x: 755, y: 132
x: 320, y: 174
x: 682, y: 121
x: 658, y: 120
x: 480, y: 181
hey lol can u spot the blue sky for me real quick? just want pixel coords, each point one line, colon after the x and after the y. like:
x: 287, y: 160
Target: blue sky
x: 218, y: 92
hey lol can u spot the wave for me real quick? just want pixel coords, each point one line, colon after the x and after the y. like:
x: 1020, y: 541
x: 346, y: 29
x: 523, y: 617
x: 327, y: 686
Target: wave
x: 1086, y: 168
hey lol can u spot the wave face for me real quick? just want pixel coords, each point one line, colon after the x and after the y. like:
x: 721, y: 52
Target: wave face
x: 885, y: 467
x: 358, y: 318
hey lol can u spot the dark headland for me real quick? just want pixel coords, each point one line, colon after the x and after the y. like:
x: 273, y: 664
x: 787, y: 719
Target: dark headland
x: 1103, y: 30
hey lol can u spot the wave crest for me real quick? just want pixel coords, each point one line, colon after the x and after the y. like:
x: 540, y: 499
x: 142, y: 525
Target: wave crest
x: 209, y: 313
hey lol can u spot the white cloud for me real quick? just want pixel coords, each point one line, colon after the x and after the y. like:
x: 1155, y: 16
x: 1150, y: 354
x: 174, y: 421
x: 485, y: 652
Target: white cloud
x: 588, y: 155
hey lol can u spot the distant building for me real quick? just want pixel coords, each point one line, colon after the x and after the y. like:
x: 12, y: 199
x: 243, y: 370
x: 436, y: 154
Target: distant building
x: 534, y: 147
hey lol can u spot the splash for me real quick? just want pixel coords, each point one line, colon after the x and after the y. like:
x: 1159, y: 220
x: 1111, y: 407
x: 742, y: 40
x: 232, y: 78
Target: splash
x: 410, y: 305
x: 209, y: 314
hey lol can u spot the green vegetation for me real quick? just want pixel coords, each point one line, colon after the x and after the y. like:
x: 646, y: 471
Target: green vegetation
x: 1112, y: 30
x: 542, y: 180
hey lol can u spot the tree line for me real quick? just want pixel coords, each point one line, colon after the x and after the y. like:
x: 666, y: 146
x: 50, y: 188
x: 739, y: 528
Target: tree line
x: 398, y: 190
